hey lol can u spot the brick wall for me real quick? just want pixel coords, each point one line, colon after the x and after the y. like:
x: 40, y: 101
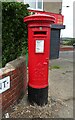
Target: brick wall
x: 18, y: 81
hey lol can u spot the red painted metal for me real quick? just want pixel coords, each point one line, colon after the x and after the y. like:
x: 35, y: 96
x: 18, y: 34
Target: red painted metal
x: 59, y: 18
x: 38, y: 29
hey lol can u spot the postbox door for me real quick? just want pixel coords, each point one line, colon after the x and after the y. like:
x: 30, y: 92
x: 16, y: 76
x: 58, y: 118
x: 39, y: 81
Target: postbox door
x: 39, y: 59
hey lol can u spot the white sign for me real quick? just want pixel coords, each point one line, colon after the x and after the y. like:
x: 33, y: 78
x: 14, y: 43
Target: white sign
x: 39, y: 46
x: 4, y: 84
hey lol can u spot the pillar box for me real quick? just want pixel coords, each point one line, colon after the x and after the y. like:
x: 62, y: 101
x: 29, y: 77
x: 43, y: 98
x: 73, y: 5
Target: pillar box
x: 38, y: 57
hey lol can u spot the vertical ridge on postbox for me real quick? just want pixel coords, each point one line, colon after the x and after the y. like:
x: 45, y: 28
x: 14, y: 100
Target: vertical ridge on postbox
x: 38, y: 50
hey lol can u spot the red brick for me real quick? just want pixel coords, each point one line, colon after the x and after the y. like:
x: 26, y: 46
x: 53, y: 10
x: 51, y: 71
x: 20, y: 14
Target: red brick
x: 14, y: 98
x: 12, y: 91
x: 13, y: 76
x: 18, y: 80
x: 14, y: 71
x: 6, y: 106
x: 0, y: 95
x: 0, y: 100
x: 13, y: 82
x: 6, y: 92
x: 8, y: 95
x: 7, y: 101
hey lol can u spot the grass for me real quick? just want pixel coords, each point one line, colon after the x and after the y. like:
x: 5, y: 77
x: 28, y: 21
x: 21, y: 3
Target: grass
x: 55, y: 67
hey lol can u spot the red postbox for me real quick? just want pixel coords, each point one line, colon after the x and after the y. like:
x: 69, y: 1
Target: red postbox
x: 38, y: 56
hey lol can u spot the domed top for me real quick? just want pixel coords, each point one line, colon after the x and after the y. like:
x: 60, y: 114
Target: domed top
x: 39, y: 17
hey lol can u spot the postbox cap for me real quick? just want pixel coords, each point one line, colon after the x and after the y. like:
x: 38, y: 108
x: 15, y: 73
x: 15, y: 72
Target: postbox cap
x: 39, y: 17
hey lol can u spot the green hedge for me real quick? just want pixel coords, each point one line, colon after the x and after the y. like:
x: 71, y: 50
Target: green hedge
x: 69, y: 41
x: 14, y: 31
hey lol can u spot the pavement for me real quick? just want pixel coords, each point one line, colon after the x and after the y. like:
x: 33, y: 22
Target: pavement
x: 60, y: 94
x: 61, y: 84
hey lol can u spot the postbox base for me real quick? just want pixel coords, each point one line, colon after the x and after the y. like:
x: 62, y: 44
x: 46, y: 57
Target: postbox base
x: 38, y: 96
